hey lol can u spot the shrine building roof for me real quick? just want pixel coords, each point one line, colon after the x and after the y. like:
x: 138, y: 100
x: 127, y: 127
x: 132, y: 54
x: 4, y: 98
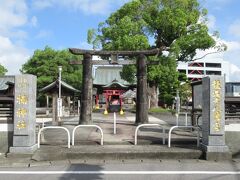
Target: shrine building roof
x: 105, y: 75
x: 53, y: 87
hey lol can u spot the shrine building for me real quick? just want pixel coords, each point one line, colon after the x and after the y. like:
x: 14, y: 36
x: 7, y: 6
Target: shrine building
x: 109, y: 89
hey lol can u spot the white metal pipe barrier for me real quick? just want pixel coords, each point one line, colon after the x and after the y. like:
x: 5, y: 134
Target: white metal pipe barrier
x: 186, y: 118
x: 53, y: 127
x: 96, y: 126
x: 114, y: 123
x: 177, y: 118
x: 175, y: 127
x: 145, y: 125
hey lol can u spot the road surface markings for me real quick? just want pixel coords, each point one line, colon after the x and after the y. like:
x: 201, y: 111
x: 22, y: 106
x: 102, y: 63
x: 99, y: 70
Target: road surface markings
x: 123, y: 172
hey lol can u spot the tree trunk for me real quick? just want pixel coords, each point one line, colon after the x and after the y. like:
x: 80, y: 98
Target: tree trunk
x: 152, y: 89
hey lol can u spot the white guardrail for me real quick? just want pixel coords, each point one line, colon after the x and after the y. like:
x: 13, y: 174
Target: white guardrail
x: 73, y: 133
x: 148, y: 125
x: 53, y: 127
x: 175, y: 127
x: 114, y: 123
x: 186, y: 118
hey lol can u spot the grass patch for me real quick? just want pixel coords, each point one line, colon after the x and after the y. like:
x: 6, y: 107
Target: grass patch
x: 156, y: 110
x: 160, y: 110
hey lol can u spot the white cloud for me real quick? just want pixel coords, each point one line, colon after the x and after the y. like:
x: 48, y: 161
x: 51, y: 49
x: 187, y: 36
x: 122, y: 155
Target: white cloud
x: 232, y: 45
x: 42, y: 4
x: 13, y: 17
x: 12, y: 56
x: 34, y: 21
x: 18, y: 34
x: 86, y: 6
x: 13, y: 14
x: 234, y: 73
x: 231, y: 56
x: 211, y: 23
x: 234, y: 28
x: 43, y: 34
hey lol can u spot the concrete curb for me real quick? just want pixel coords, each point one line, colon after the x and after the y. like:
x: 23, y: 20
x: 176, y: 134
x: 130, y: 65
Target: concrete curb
x: 116, y: 152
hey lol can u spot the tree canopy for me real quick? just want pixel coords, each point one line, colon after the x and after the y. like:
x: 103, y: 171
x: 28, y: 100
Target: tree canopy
x: 3, y: 70
x: 176, y: 26
x: 44, y: 64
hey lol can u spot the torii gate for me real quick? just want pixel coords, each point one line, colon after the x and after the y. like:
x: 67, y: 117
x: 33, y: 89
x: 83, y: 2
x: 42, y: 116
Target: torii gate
x: 86, y: 100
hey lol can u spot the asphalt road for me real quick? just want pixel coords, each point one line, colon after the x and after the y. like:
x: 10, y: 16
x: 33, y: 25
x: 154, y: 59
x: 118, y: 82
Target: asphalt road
x: 127, y: 170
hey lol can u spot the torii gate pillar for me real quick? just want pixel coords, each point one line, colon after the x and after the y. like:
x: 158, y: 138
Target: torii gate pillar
x: 142, y: 98
x: 86, y: 98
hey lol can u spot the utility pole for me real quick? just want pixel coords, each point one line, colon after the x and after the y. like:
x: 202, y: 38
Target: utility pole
x: 60, y: 92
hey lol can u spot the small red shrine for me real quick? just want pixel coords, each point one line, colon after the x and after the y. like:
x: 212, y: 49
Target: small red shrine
x: 113, y: 96
x: 109, y: 88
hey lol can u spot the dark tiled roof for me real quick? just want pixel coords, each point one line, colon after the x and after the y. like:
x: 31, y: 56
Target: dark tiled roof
x: 56, y: 83
x: 5, y: 81
x: 115, y: 83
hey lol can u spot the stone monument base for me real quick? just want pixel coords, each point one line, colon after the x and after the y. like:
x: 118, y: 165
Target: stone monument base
x: 216, y: 153
x: 232, y: 136
x: 23, y: 150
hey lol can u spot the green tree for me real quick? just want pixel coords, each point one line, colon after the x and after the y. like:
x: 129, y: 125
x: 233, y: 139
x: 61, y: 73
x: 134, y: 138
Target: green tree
x: 164, y: 77
x: 175, y: 27
x: 44, y: 64
x: 185, y: 93
x: 3, y: 70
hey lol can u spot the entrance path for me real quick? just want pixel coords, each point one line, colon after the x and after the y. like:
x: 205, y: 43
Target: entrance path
x: 124, y: 132
x: 125, y: 128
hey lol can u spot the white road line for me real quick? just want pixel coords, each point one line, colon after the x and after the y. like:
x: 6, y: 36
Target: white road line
x: 123, y: 172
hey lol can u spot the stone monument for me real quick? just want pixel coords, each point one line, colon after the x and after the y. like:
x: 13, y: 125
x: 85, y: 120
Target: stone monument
x: 213, y: 115
x: 24, y: 137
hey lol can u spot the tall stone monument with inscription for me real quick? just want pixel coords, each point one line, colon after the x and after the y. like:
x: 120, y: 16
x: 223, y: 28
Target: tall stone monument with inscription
x: 24, y: 137
x: 213, y: 115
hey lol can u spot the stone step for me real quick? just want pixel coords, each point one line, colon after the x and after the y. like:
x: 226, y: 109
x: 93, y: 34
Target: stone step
x: 116, y: 152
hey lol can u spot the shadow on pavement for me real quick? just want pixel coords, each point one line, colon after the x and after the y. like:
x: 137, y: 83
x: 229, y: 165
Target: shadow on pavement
x: 78, y: 168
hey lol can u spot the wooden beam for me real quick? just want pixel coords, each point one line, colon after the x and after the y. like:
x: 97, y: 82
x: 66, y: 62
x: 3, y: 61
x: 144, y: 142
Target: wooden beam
x: 152, y: 52
x: 106, y: 62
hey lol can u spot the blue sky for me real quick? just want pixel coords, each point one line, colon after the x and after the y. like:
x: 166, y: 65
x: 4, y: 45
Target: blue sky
x: 26, y: 25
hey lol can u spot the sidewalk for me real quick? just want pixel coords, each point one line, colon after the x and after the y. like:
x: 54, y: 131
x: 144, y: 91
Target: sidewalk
x: 125, y: 131
x: 116, y: 147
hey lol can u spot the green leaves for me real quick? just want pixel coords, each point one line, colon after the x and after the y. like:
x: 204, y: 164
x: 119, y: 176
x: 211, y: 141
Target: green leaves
x: 126, y: 34
x: 3, y: 70
x: 145, y: 24
x: 165, y: 75
x: 129, y: 73
x: 44, y: 64
x: 93, y: 38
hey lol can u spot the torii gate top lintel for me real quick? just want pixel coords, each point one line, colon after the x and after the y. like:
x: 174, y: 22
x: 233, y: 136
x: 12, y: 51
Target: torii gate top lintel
x: 151, y: 52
